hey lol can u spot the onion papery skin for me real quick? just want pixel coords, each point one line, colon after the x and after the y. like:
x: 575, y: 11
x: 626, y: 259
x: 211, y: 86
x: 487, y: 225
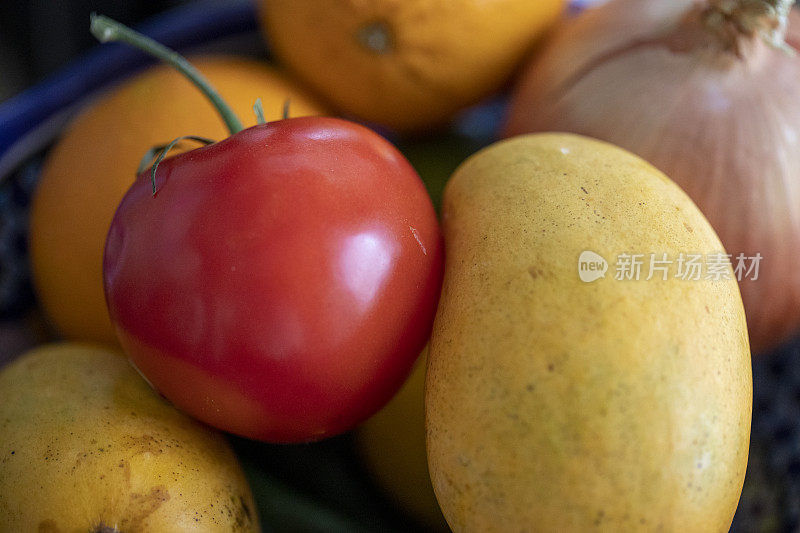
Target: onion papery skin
x: 721, y: 119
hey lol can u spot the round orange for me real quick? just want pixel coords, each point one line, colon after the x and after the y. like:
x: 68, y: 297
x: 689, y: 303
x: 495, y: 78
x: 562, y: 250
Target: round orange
x: 91, y: 167
x: 406, y: 64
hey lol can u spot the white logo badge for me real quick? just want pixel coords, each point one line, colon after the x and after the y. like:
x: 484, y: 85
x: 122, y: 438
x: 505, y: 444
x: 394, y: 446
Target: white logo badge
x: 591, y: 266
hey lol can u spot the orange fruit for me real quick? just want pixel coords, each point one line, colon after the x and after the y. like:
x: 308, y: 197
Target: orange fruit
x: 405, y: 64
x: 91, y: 167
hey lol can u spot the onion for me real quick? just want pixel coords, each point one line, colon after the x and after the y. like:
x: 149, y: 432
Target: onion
x: 710, y: 94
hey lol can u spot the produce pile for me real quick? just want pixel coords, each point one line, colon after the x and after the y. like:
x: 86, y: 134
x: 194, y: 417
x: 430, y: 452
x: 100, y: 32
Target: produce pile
x: 463, y: 265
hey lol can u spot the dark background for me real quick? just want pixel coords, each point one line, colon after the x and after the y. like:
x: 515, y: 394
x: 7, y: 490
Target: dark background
x: 37, y: 37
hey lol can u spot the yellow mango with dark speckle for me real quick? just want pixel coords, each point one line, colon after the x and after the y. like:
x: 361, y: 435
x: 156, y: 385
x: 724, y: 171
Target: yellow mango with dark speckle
x: 87, y: 447
x: 563, y: 394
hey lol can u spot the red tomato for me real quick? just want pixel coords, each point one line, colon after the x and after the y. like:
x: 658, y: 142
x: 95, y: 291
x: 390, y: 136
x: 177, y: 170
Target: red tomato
x: 281, y: 282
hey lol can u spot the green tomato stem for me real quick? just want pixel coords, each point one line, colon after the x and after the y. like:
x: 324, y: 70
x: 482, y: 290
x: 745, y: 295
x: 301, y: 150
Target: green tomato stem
x: 258, y: 109
x: 286, y: 104
x: 108, y: 30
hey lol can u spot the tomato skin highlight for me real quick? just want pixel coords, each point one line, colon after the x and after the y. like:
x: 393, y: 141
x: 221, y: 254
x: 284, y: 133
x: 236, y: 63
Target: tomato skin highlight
x: 281, y: 282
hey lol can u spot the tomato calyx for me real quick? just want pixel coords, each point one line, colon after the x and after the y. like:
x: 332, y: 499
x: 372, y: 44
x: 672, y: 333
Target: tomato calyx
x: 258, y: 109
x: 156, y: 155
x: 108, y: 30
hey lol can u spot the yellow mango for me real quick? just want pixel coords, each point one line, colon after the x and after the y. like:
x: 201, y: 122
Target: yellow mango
x: 562, y: 393
x: 87, y: 447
